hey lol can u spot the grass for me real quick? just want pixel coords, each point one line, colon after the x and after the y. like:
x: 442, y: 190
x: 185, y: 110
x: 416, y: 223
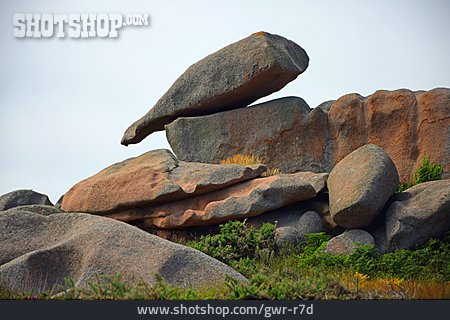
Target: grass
x: 249, y: 159
x: 301, y: 272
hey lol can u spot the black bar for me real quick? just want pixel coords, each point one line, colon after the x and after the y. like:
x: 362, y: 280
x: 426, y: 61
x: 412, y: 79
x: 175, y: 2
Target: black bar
x: 348, y: 310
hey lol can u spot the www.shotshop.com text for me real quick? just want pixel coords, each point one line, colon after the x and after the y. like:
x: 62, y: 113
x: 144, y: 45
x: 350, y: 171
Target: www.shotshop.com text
x: 223, y: 311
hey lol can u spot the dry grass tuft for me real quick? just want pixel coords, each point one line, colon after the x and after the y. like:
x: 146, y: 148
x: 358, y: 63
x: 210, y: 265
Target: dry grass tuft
x: 243, y: 159
x: 271, y: 172
x: 249, y: 159
x: 395, y: 287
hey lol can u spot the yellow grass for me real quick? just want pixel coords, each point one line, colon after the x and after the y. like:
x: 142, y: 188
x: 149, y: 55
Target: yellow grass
x: 243, y: 159
x: 394, y: 287
x: 249, y: 159
x: 271, y: 172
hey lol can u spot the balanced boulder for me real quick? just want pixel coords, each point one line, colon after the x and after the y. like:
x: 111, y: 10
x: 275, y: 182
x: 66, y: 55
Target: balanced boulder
x: 418, y: 214
x: 38, y: 252
x: 22, y: 198
x: 360, y: 185
x: 154, y: 177
x: 232, y: 77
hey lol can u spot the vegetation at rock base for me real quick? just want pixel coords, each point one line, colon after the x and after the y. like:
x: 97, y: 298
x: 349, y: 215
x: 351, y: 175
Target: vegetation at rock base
x: 428, y: 171
x: 236, y: 241
x: 301, y: 272
x: 249, y: 159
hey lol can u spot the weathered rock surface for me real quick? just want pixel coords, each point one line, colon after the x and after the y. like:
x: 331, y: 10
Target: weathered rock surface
x: 232, y: 77
x: 22, y: 198
x: 348, y: 241
x: 360, y: 186
x: 317, y: 180
x: 243, y: 200
x: 154, y: 177
x: 318, y: 204
x: 37, y: 252
x: 285, y: 132
x: 407, y: 125
x: 292, y: 224
x: 418, y: 214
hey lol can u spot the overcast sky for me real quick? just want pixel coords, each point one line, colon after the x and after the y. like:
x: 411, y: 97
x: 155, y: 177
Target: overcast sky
x: 65, y: 103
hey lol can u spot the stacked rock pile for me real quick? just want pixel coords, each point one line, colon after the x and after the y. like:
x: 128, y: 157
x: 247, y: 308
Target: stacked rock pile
x: 341, y: 164
x: 368, y: 145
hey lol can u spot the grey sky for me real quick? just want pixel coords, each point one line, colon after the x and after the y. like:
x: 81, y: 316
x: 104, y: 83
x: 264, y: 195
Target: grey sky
x: 65, y: 103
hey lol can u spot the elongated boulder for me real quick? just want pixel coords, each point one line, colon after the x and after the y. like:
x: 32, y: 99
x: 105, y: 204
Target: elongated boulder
x: 154, y: 177
x: 37, y: 252
x: 243, y: 200
x: 360, y: 185
x: 418, y: 214
x: 232, y: 77
x: 291, y: 223
x: 289, y: 135
x: 21, y: 198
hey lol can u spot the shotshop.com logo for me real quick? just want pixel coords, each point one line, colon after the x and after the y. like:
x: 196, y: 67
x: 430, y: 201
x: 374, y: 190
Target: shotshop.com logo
x: 80, y: 25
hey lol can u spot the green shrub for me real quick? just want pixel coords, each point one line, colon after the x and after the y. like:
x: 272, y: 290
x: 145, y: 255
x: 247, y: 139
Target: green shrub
x: 431, y: 261
x: 363, y: 260
x: 243, y: 247
x: 312, y: 254
x: 236, y: 240
x: 427, y: 172
x: 246, y: 266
